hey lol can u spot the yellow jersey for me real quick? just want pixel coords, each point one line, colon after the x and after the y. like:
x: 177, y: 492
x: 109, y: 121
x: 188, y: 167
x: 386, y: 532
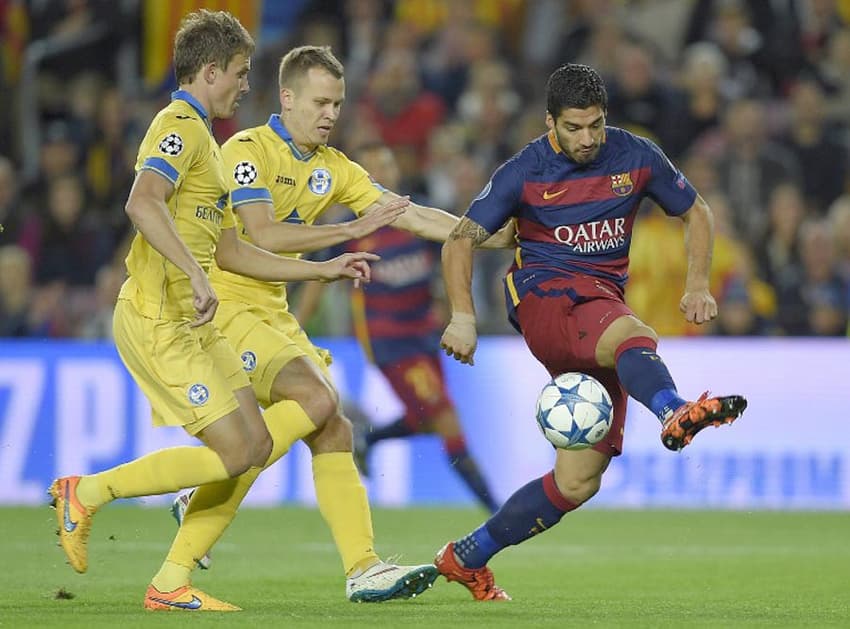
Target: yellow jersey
x: 179, y: 146
x: 264, y: 165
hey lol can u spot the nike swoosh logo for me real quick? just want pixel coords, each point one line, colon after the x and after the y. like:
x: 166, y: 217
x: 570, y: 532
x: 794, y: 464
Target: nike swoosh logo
x: 195, y: 603
x: 551, y: 195
x: 68, y: 523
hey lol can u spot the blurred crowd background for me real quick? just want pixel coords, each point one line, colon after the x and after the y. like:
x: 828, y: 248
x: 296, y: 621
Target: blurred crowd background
x: 751, y: 98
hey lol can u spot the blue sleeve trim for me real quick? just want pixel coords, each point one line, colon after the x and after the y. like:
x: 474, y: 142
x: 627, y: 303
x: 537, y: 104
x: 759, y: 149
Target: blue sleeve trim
x: 159, y: 165
x: 241, y: 196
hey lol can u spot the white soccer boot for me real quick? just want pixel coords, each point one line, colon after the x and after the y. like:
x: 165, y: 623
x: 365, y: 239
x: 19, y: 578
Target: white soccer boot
x: 385, y: 581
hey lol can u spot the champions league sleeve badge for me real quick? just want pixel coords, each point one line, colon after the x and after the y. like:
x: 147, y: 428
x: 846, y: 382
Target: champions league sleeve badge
x: 172, y: 145
x: 245, y: 173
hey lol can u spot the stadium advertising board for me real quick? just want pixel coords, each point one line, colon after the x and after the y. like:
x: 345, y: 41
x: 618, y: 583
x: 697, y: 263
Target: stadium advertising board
x: 71, y: 407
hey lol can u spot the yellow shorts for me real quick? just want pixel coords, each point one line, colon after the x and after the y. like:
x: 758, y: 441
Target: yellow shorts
x: 266, y: 340
x: 188, y: 374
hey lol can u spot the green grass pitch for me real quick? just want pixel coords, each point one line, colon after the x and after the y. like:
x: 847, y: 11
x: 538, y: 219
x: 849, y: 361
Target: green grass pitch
x: 597, y: 568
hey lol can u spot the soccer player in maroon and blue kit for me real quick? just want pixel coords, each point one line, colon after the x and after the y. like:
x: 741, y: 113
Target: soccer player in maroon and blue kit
x: 574, y: 193
x: 396, y: 323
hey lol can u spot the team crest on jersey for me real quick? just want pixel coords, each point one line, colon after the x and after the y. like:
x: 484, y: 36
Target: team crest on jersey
x: 319, y: 182
x: 198, y: 394
x: 249, y: 361
x: 245, y: 173
x: 622, y: 184
x: 172, y: 144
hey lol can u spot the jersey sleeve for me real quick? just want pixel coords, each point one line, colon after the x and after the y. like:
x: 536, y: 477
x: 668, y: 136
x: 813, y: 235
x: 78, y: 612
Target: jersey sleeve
x: 228, y: 220
x: 498, y: 201
x: 246, y: 171
x: 172, y: 145
x: 668, y: 186
x: 357, y: 190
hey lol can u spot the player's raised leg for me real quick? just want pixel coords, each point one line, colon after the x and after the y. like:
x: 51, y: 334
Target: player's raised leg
x: 630, y: 346
x: 199, y: 396
x: 77, y: 498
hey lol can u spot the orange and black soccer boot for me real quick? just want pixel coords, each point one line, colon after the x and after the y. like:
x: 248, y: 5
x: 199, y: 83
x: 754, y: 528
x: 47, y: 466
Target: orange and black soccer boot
x: 479, y: 581
x: 687, y: 420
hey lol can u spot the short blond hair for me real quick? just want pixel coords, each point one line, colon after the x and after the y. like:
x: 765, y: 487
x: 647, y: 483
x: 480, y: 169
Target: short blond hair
x: 298, y: 61
x: 205, y: 37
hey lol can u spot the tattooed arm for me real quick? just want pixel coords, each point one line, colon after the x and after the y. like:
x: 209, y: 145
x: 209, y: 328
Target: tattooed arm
x: 460, y: 337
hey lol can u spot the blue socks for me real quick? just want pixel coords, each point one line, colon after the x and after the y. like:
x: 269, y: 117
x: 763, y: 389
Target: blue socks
x: 530, y: 510
x: 646, y: 378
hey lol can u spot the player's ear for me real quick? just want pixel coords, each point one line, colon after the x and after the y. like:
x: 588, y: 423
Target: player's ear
x: 209, y: 72
x: 550, y: 121
x: 286, y: 98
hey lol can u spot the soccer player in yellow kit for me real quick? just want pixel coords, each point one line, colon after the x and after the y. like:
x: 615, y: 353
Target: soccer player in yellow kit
x: 284, y: 172
x: 180, y: 205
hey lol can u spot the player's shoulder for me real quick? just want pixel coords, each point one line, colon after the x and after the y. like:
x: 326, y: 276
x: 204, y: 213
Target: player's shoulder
x: 624, y: 140
x: 180, y: 117
x: 531, y: 157
x: 175, y: 130
x: 335, y: 156
x: 250, y: 139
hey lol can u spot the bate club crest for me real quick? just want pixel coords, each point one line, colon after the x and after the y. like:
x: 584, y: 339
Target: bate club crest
x: 622, y: 184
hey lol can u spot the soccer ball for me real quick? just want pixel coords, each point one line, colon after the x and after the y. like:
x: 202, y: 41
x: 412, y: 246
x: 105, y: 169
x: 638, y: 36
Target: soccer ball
x: 574, y: 411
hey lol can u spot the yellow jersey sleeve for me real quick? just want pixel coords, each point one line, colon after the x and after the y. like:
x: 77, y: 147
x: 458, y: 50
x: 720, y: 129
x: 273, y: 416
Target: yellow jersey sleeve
x: 356, y: 189
x: 171, y: 146
x: 246, y: 170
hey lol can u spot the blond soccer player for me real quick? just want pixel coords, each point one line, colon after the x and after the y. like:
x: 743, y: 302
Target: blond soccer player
x: 180, y: 205
x: 284, y: 173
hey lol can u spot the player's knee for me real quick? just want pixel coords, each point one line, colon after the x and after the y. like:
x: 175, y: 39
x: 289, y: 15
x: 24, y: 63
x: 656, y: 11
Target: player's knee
x: 618, y: 333
x: 236, y: 460
x: 262, y: 450
x: 578, y: 489
x: 644, y: 331
x: 335, y: 436
x: 323, y: 406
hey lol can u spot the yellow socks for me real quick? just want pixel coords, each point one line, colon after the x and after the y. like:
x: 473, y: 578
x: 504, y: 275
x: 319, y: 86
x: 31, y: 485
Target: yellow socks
x: 214, y: 505
x: 345, y: 507
x: 287, y: 423
x: 210, y: 512
x: 171, y: 576
x: 160, y: 472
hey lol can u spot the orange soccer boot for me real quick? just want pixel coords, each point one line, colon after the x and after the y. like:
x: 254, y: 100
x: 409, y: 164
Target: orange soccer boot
x: 479, y: 581
x: 687, y: 420
x: 185, y: 599
x: 74, y: 521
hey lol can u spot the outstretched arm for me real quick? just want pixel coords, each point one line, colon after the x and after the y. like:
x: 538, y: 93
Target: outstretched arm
x: 460, y: 337
x: 238, y: 256
x: 280, y: 237
x: 697, y: 303
x: 434, y: 224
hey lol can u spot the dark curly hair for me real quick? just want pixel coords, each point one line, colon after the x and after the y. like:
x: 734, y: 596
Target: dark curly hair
x: 575, y: 86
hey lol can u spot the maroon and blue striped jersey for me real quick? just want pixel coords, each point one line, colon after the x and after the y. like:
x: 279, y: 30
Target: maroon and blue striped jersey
x: 393, y: 314
x: 576, y: 219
